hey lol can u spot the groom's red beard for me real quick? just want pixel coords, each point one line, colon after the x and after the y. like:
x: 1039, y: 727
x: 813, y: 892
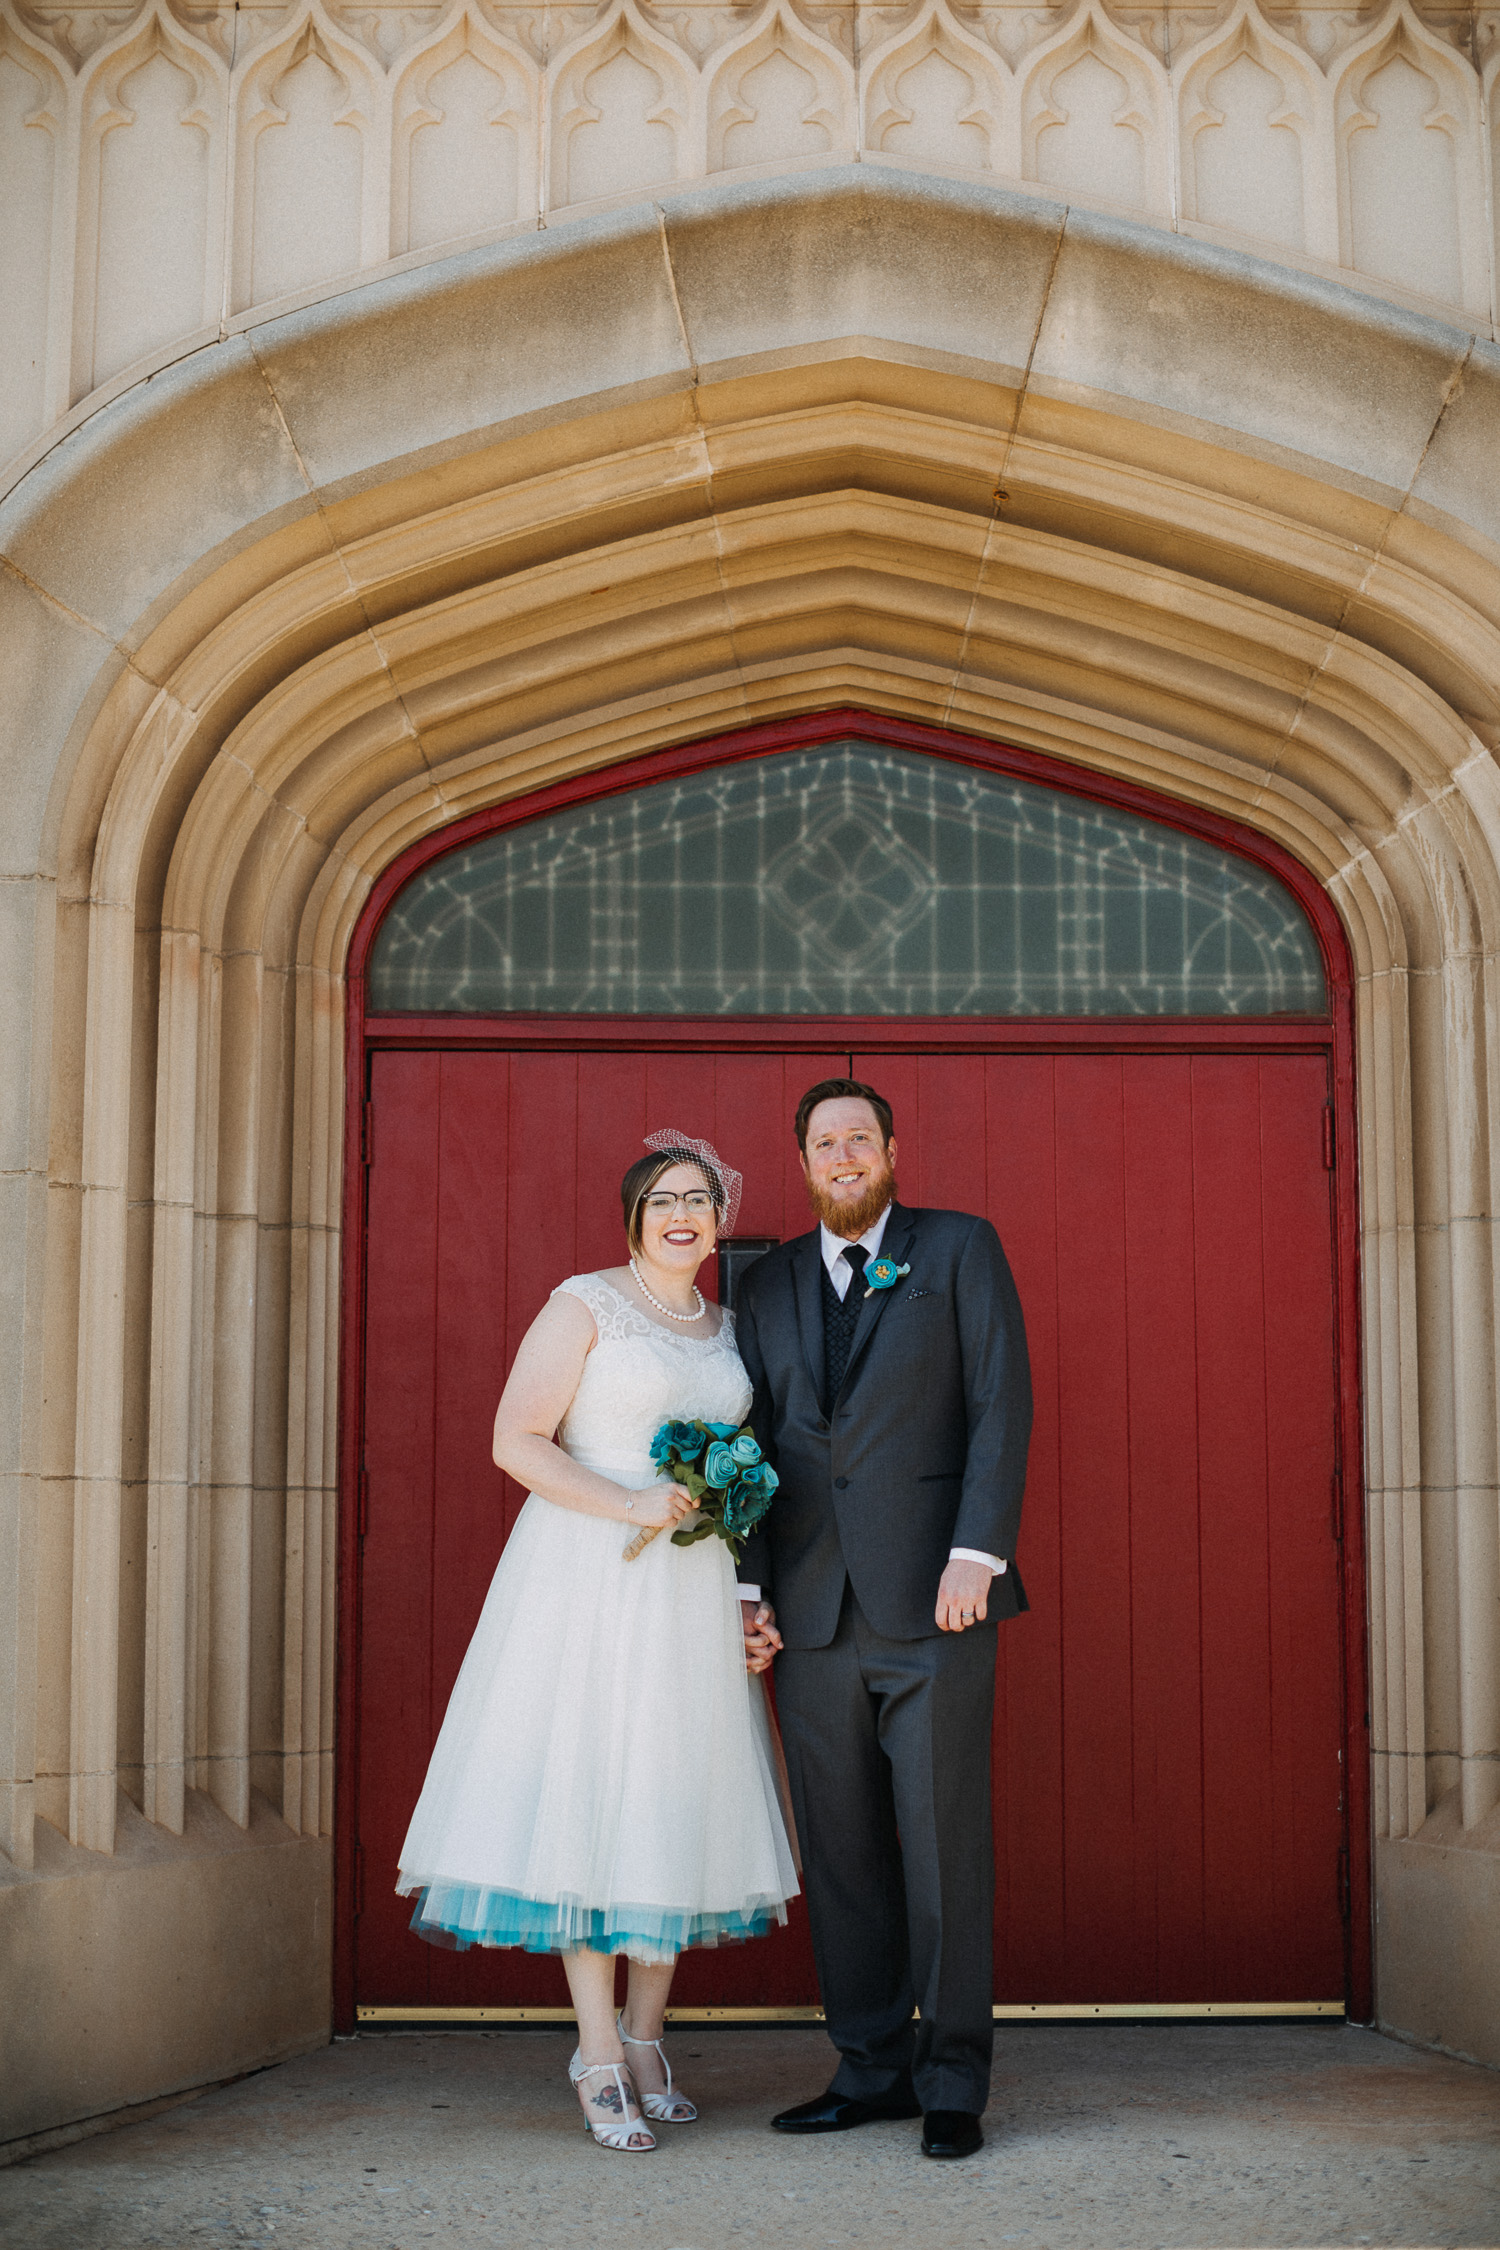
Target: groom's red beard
x: 851, y: 1220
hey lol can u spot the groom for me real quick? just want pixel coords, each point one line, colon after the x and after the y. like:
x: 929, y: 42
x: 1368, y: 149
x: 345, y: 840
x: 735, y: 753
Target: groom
x: 893, y: 1395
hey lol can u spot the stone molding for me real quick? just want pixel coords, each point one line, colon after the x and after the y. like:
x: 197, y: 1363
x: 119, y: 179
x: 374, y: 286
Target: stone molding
x: 862, y: 438
x: 169, y: 167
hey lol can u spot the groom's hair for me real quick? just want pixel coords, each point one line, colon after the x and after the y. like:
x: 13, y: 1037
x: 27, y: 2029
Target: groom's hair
x: 842, y: 1090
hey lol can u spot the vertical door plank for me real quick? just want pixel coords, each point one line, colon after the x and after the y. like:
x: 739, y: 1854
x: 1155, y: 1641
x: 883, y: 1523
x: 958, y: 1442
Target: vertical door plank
x: 1164, y: 1592
x: 1093, y: 1506
x: 1306, y: 1674
x: 474, y: 1186
x: 751, y: 1127
x: 474, y: 1220
x: 549, y: 1161
x: 1228, y: 1224
x: 397, y: 1721
x: 954, y: 1172
x: 612, y: 1128
x: 680, y: 1093
x: 1031, y: 1932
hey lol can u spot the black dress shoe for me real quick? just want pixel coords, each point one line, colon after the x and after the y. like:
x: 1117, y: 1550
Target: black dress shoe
x: 951, y: 2132
x: 837, y: 2113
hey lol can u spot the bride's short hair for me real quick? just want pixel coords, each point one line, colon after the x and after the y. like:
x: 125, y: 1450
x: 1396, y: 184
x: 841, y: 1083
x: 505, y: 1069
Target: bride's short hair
x: 643, y: 1176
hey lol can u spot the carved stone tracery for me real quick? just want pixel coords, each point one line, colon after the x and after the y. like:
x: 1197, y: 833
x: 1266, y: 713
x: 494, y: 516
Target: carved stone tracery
x: 1101, y: 102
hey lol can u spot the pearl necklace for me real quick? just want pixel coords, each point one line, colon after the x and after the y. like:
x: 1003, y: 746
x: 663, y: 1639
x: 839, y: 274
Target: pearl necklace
x: 661, y: 1308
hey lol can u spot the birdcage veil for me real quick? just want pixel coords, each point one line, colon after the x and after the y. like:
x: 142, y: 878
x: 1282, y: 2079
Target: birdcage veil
x: 695, y: 1151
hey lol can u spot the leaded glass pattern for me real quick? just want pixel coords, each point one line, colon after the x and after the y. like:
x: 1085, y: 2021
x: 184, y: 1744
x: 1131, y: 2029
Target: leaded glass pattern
x: 849, y: 879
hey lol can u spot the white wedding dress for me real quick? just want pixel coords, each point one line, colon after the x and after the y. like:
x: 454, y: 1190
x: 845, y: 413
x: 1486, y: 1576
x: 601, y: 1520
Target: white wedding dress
x: 605, y: 1775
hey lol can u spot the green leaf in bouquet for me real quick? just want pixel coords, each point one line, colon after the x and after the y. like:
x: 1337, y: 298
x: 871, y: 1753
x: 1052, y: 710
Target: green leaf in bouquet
x: 681, y: 1472
x: 689, y: 1535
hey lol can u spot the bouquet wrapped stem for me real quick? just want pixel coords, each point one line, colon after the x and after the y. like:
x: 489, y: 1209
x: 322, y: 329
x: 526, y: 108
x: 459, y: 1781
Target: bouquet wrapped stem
x: 721, y: 1466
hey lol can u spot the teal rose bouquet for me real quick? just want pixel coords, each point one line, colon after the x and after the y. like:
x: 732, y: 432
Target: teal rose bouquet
x: 722, y: 1468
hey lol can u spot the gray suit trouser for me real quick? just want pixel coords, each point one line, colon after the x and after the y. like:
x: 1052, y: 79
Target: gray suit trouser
x: 888, y: 1752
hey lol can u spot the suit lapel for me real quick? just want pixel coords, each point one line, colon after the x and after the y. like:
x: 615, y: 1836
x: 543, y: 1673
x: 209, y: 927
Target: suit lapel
x: 807, y: 1288
x: 895, y: 1243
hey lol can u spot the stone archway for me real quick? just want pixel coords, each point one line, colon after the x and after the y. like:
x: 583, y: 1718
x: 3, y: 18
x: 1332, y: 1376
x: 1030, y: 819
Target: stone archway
x: 344, y: 577
x: 475, y: 1093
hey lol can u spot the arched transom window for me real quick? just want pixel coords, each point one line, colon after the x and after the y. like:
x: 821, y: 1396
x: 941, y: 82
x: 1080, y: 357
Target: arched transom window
x: 849, y: 879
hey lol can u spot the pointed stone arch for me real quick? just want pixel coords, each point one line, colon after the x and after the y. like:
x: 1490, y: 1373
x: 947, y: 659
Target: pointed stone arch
x: 654, y: 141
x: 1298, y: 114
x: 168, y: 208
x: 40, y: 62
x: 987, y: 111
x: 274, y: 256
x: 1126, y: 160
x: 513, y: 111
x: 36, y: 262
x: 815, y: 119
x: 1432, y: 159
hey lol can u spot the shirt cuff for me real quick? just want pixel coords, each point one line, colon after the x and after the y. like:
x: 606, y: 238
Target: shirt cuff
x: 976, y: 1554
x: 748, y: 1593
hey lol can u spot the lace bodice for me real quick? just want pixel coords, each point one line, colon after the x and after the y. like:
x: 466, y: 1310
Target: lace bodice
x: 638, y: 1376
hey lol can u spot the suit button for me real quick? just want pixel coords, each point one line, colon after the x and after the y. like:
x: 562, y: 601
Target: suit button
x: 840, y: 1483
x: 822, y: 1425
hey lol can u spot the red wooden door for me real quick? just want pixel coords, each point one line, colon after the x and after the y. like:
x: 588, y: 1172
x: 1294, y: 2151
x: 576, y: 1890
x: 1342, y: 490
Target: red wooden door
x: 1169, y: 1725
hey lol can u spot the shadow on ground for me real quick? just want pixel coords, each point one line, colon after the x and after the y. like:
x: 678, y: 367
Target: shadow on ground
x: 1104, y: 2138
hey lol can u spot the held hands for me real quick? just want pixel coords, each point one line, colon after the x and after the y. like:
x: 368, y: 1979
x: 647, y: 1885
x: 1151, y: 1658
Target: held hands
x: 963, y: 1596
x: 660, y: 1507
x: 762, y: 1641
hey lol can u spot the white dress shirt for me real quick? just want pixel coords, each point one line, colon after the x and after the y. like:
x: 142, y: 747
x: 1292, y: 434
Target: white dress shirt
x: 841, y: 1273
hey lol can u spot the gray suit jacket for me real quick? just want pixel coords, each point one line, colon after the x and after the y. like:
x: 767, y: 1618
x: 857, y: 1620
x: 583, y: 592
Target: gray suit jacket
x: 923, y: 1449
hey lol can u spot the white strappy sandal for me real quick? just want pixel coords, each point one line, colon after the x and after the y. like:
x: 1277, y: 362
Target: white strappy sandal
x: 630, y: 2135
x: 667, y: 2108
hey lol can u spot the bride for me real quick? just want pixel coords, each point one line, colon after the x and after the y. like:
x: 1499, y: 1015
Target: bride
x: 605, y: 1781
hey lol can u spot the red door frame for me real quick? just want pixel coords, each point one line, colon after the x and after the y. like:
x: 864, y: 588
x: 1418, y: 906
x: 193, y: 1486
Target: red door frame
x: 1333, y: 1035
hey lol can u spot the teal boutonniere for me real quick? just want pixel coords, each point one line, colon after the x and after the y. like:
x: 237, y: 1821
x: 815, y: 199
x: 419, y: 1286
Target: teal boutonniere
x: 883, y: 1273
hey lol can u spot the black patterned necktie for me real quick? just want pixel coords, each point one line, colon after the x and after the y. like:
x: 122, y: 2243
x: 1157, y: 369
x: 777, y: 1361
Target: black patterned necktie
x: 843, y: 1318
x: 854, y: 1255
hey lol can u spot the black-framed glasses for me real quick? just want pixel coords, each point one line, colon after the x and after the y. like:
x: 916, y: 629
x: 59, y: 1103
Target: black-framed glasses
x: 698, y: 1202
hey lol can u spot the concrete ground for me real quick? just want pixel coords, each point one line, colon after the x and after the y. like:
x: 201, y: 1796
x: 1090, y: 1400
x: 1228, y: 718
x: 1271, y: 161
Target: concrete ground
x: 1100, y: 2137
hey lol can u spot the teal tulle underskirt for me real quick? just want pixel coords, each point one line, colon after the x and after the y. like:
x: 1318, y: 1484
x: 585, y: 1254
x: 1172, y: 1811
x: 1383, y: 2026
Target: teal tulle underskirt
x: 458, y: 1915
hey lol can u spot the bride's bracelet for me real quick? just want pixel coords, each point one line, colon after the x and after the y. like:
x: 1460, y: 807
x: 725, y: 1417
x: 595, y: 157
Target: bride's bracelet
x: 629, y: 1504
